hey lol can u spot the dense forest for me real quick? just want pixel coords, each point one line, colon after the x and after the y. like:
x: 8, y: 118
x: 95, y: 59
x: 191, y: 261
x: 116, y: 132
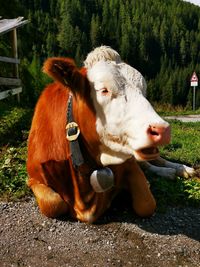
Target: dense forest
x: 159, y: 38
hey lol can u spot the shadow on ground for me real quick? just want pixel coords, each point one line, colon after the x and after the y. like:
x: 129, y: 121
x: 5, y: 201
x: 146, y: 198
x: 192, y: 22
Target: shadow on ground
x: 174, y: 221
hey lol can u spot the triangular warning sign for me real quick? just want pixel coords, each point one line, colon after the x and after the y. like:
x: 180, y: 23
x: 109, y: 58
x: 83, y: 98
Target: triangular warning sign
x: 194, y: 77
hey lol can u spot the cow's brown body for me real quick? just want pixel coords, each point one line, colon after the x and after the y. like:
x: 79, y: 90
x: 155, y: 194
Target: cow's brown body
x: 58, y: 187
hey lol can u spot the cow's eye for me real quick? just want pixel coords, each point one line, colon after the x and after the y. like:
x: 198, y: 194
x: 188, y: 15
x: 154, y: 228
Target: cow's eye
x: 104, y: 91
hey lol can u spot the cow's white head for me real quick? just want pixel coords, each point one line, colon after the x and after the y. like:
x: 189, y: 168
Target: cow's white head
x: 125, y: 121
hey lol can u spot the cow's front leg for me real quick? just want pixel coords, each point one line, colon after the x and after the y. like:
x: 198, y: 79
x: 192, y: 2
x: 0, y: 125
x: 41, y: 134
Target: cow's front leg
x: 144, y: 203
x: 50, y: 203
x: 90, y: 207
x: 168, y: 173
x: 180, y: 169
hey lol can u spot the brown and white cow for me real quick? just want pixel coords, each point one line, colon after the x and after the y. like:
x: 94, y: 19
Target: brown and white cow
x: 88, y: 129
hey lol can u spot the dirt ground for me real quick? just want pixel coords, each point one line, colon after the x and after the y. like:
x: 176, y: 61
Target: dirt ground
x: 119, y: 238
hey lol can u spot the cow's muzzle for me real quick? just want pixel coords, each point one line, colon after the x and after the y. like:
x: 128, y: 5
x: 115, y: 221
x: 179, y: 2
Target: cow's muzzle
x: 158, y: 135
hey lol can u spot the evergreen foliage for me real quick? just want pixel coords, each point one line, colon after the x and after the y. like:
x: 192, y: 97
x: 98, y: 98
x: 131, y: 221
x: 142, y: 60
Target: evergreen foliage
x: 159, y: 38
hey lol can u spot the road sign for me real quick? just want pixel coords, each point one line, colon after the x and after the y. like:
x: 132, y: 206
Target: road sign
x: 194, y: 83
x: 194, y: 80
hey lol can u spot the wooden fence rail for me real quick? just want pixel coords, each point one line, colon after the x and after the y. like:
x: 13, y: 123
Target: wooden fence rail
x: 10, y: 60
x: 11, y: 86
x: 10, y: 81
x: 14, y: 83
x: 10, y: 92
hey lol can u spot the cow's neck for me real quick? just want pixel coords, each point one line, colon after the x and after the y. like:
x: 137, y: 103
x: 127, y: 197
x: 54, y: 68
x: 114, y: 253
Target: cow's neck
x: 100, y: 178
x: 79, y: 152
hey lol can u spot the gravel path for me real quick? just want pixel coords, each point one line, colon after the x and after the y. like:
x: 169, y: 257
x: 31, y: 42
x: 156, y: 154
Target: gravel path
x: 185, y: 118
x: 119, y: 239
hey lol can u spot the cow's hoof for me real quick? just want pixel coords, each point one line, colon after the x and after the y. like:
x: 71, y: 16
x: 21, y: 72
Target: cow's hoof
x: 185, y: 171
x: 102, y: 180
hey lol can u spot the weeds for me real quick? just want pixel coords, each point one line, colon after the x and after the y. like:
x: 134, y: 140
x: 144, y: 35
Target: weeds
x: 168, y: 110
x: 184, y: 148
x: 13, y: 172
x: 14, y: 124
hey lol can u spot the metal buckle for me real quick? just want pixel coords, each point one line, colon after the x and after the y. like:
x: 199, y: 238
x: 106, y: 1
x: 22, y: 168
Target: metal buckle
x: 74, y: 136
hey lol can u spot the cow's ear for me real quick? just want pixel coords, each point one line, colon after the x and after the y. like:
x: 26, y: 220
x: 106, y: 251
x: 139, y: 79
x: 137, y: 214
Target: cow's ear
x: 64, y: 71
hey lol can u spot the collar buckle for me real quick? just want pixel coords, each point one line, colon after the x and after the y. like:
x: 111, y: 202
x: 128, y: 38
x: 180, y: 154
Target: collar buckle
x: 73, y: 131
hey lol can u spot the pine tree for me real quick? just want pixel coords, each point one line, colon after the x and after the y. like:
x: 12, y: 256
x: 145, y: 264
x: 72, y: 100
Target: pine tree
x: 95, y: 32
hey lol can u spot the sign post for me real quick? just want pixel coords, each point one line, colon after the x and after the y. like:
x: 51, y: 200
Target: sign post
x: 194, y: 84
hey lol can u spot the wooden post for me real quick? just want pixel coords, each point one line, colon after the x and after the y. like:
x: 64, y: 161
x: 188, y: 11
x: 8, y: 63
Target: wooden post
x: 15, y: 55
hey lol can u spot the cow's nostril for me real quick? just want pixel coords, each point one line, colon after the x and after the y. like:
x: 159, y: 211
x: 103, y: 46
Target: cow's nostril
x: 159, y: 134
x: 152, y: 130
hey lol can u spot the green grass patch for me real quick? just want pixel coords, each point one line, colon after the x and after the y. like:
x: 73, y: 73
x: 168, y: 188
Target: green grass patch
x: 15, y: 122
x: 180, y: 192
x: 185, y: 143
x: 13, y: 173
x: 169, y: 110
x: 184, y: 148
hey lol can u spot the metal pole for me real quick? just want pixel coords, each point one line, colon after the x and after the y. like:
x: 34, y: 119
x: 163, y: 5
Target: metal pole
x: 194, y: 97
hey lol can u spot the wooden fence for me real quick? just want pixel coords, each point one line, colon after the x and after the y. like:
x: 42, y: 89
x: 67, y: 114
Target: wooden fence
x: 13, y: 84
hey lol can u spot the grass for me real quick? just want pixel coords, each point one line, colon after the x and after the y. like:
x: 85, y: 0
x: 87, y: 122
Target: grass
x: 14, y: 125
x: 185, y: 144
x: 184, y: 148
x: 168, y: 110
x: 13, y: 172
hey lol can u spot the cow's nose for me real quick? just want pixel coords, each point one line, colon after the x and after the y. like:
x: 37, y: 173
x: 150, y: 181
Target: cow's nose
x: 159, y: 134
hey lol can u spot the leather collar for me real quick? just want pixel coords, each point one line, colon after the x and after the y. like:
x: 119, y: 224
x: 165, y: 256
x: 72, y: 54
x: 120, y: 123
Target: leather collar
x: 73, y: 136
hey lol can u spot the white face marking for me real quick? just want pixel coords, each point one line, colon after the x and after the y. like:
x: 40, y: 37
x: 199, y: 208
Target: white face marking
x: 123, y: 114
